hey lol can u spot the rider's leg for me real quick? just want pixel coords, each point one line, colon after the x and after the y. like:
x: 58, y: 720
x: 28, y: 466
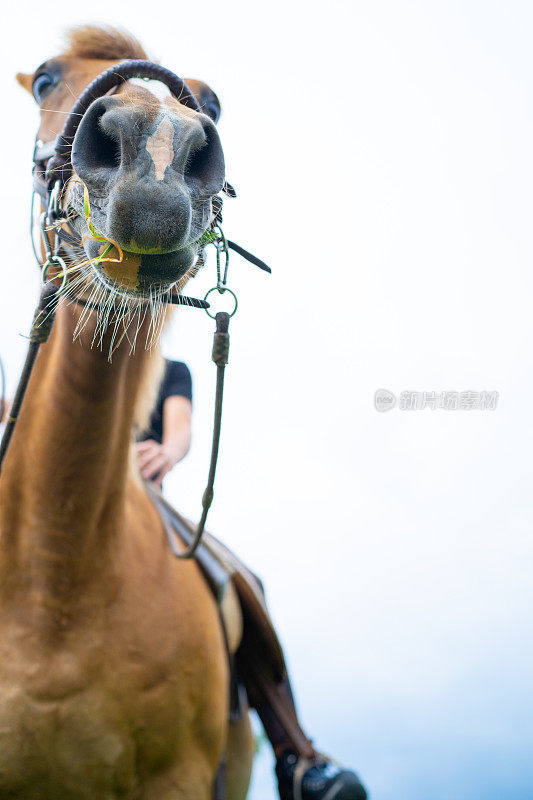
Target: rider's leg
x: 302, y: 772
x: 275, y: 730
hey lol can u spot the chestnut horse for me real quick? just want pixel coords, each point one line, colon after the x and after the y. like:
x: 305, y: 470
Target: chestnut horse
x: 113, y: 667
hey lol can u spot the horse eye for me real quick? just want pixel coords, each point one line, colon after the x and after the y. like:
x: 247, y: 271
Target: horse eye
x: 212, y: 109
x: 42, y: 84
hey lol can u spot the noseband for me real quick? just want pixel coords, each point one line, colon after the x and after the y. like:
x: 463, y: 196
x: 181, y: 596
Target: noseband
x: 60, y: 166
x: 53, y: 160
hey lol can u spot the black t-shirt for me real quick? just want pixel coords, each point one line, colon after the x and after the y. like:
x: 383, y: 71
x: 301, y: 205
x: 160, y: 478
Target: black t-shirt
x: 176, y: 381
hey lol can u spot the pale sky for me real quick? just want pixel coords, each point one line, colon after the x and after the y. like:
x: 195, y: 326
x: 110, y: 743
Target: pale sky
x: 382, y: 155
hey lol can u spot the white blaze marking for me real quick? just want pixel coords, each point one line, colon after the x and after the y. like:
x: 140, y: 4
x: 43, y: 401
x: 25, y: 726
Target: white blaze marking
x: 157, y: 88
x: 159, y: 145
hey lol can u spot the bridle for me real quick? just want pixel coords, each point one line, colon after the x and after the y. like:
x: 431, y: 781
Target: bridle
x: 51, y: 171
x: 53, y: 162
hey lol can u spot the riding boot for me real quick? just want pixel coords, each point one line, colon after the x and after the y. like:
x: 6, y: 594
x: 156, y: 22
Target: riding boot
x: 302, y: 772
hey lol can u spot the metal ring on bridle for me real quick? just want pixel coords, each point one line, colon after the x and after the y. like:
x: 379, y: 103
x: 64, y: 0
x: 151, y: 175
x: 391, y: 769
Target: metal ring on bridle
x: 54, y: 207
x: 221, y: 247
x: 53, y: 261
x: 221, y: 291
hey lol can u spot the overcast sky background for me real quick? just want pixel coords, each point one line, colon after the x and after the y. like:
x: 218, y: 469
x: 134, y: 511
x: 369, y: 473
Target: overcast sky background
x: 382, y: 155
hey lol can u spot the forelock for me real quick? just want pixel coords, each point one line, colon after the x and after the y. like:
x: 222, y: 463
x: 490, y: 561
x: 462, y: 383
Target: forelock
x: 103, y: 42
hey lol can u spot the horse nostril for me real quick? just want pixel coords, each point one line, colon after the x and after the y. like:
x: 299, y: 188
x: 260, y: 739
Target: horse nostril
x: 105, y: 148
x: 204, y: 169
x: 96, y: 147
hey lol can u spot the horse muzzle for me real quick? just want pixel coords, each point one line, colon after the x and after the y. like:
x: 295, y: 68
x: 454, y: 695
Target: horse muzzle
x: 151, y: 175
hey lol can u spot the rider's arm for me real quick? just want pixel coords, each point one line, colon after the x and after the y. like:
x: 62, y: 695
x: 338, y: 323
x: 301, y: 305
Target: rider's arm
x: 177, y: 412
x: 170, y: 425
x: 156, y: 460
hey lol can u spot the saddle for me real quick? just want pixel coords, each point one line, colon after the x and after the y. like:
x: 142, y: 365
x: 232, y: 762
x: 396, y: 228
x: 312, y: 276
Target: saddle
x: 250, y: 634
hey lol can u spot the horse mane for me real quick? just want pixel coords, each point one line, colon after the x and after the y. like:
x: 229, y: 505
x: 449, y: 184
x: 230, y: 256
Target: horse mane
x: 102, y: 41
x: 152, y: 375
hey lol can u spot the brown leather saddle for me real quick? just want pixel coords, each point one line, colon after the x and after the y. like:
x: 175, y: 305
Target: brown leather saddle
x: 224, y: 571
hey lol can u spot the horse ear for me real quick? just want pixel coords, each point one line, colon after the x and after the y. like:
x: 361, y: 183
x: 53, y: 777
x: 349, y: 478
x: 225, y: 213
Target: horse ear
x: 26, y: 81
x: 209, y: 102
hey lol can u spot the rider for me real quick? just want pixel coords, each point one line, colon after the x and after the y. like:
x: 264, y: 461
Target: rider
x: 168, y: 436
x: 302, y: 773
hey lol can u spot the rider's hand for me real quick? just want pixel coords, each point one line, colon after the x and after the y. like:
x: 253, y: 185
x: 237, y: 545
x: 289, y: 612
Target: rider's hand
x: 154, y: 460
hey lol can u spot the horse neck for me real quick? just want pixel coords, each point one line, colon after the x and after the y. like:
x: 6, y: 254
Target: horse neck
x: 63, y: 485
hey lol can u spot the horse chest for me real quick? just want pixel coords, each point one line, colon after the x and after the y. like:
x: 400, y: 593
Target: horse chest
x: 66, y: 736
x: 124, y: 695
x: 70, y: 748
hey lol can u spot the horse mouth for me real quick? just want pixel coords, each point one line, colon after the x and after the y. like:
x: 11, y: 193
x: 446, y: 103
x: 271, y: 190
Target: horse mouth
x: 140, y: 274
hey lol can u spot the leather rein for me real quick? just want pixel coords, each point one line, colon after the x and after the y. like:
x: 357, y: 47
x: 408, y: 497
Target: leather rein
x: 51, y: 171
